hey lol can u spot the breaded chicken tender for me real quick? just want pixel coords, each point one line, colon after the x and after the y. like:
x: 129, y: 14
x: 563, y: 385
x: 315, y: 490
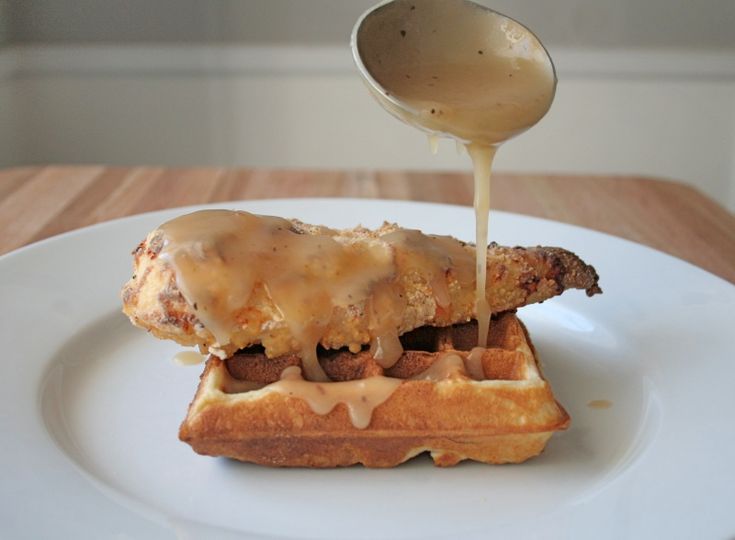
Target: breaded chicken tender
x: 433, y: 276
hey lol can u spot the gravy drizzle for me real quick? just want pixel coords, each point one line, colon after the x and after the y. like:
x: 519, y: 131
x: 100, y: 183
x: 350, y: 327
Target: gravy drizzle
x: 447, y: 366
x: 360, y: 397
x: 188, y: 358
x: 600, y: 404
x: 482, y: 160
x: 474, y: 365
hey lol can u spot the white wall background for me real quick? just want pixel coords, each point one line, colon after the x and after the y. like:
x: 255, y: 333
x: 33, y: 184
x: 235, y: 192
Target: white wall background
x: 701, y: 24
x: 84, y: 85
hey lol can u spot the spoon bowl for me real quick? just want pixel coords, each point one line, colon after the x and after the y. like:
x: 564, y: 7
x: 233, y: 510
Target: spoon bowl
x: 454, y: 68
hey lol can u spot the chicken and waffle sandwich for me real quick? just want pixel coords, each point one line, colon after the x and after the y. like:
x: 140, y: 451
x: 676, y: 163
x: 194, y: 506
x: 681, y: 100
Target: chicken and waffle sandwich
x: 335, y: 347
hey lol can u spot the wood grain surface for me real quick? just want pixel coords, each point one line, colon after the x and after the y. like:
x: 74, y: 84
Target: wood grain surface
x: 38, y: 202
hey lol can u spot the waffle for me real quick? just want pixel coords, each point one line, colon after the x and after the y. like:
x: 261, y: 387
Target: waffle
x: 491, y: 405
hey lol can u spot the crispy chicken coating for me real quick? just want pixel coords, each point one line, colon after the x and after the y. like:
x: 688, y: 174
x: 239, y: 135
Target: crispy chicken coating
x: 517, y: 276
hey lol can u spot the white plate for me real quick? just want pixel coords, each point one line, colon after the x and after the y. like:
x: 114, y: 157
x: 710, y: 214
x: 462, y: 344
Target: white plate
x: 90, y: 407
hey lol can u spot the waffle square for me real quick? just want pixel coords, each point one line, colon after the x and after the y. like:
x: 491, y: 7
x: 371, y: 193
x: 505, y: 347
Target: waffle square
x: 455, y: 402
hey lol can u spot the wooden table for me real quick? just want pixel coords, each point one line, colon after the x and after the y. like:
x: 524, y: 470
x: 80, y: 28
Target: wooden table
x: 38, y: 202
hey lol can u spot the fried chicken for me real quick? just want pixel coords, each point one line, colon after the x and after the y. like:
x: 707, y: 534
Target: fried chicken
x: 432, y: 275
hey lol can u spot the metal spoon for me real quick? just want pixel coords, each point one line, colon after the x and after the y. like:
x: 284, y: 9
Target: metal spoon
x: 453, y: 67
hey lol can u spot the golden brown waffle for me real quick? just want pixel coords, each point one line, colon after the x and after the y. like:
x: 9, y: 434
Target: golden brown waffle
x: 492, y: 405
